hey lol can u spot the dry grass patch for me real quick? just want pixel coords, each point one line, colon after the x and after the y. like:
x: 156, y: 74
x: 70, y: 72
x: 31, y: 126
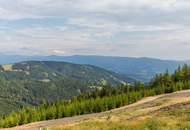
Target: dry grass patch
x: 146, y: 116
x: 7, y: 67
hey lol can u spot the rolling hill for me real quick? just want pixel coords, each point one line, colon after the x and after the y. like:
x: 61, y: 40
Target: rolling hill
x: 32, y: 82
x: 137, y: 68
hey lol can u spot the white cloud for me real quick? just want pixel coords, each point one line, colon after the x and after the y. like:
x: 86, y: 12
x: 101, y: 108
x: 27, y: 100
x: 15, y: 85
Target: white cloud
x: 59, y: 52
x: 43, y: 8
x: 108, y: 27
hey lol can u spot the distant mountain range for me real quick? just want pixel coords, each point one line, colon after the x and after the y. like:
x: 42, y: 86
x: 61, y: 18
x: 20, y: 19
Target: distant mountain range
x: 137, y: 68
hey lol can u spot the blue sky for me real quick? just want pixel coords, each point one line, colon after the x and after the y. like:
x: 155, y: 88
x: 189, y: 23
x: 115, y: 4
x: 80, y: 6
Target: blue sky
x: 132, y: 28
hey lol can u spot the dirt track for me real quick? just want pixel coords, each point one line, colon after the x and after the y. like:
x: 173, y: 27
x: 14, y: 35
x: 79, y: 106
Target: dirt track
x: 70, y: 120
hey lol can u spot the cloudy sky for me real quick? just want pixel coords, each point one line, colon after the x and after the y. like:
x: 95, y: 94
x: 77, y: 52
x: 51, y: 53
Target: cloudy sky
x: 138, y: 28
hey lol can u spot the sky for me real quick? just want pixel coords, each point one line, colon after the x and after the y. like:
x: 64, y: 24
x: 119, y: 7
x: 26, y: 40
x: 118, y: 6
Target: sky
x: 130, y: 28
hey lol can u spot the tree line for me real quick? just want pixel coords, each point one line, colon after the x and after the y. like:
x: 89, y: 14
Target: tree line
x: 101, y: 100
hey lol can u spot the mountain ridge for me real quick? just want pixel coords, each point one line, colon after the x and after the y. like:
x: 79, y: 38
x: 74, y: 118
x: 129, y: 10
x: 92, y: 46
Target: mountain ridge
x: 142, y: 69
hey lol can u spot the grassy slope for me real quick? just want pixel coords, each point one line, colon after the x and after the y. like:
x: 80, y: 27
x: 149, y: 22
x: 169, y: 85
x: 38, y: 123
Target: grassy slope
x: 168, y: 112
x: 162, y: 112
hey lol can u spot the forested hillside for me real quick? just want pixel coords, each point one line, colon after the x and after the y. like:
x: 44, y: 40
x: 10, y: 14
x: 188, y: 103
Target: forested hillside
x: 33, y: 82
x: 138, y: 68
x: 101, y: 100
x: 143, y: 69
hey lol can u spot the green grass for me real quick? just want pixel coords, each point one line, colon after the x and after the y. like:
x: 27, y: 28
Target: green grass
x: 175, y: 119
x: 148, y: 124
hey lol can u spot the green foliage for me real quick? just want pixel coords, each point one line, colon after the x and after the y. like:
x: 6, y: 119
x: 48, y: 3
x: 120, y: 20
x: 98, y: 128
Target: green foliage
x: 76, y: 106
x: 101, y: 100
x: 29, y: 83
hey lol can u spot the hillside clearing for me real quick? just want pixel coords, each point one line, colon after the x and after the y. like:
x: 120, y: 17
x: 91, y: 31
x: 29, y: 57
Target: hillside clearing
x: 7, y: 67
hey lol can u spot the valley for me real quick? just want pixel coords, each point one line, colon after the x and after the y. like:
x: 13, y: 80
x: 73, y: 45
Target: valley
x: 94, y: 65
x: 110, y: 98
